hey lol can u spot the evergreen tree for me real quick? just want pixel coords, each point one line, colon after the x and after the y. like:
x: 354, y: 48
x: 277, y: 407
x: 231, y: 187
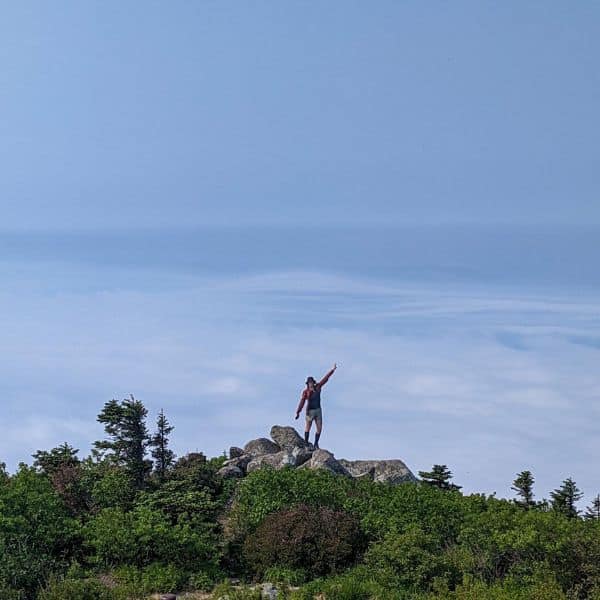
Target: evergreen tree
x: 162, y: 454
x: 523, y: 485
x: 125, y: 424
x: 593, y: 511
x: 439, y: 477
x: 52, y: 461
x: 565, y: 497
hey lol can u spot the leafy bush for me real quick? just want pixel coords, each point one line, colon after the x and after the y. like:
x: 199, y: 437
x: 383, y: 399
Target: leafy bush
x: 152, y: 578
x: 111, y: 486
x: 37, y: 535
x: 508, y: 589
x: 285, y: 575
x: 266, y: 491
x: 80, y: 589
x: 229, y: 592
x: 318, y: 539
x: 380, y: 507
x: 7, y: 593
x: 143, y: 536
x: 355, y: 584
x: 412, y: 560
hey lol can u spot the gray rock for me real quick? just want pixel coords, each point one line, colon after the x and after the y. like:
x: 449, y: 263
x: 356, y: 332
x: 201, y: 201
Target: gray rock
x: 301, y: 455
x: 261, y: 446
x: 279, y: 460
x: 322, y: 459
x: 168, y: 597
x: 268, y: 591
x: 235, y: 452
x: 230, y: 472
x: 241, y: 462
x: 385, y: 471
x: 287, y: 438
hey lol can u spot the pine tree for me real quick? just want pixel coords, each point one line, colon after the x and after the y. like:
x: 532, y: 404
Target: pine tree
x: 439, y: 477
x: 593, y: 511
x: 162, y: 454
x: 125, y: 424
x: 62, y: 456
x: 523, y: 485
x: 564, y: 499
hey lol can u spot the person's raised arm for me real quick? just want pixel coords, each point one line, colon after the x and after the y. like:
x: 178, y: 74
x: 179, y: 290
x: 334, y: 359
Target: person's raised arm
x: 301, y: 405
x: 329, y: 374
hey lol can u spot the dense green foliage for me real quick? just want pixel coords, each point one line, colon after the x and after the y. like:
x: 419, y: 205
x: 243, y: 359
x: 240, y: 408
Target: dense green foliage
x: 318, y: 540
x: 118, y: 526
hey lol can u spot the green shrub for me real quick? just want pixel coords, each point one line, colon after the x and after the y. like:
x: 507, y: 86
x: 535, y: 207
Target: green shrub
x: 411, y: 560
x: 37, y: 535
x: 318, y: 539
x: 226, y: 591
x: 266, y: 491
x: 355, y: 584
x: 380, y: 507
x: 285, y: 575
x: 7, y: 593
x: 152, y: 578
x: 144, y: 536
x: 201, y: 582
x: 509, y: 589
x: 77, y: 589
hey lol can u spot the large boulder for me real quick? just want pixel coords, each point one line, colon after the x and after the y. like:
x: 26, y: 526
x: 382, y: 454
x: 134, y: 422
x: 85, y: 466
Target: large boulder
x: 235, y: 452
x: 279, y: 460
x: 322, y: 459
x: 301, y: 455
x: 287, y: 438
x: 384, y: 471
x: 241, y: 461
x: 230, y: 472
x: 275, y: 461
x: 261, y: 446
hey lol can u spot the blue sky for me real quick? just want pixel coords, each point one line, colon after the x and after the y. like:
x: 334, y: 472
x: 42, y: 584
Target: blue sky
x: 203, y: 203
x: 133, y: 114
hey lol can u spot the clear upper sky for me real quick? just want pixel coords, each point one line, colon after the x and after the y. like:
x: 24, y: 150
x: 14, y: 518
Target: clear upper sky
x: 143, y: 114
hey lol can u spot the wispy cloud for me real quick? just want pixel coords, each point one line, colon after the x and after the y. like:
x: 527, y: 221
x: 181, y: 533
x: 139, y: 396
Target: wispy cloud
x: 427, y: 374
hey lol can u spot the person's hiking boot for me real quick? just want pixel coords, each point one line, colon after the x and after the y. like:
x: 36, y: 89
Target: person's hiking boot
x: 317, y: 436
x: 306, y: 434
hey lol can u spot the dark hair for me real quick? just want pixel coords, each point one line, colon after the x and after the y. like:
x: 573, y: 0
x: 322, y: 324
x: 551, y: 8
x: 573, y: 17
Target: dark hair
x: 309, y: 379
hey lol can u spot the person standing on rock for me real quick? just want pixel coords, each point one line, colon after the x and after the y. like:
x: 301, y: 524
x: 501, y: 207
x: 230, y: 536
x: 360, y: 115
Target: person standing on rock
x: 311, y: 396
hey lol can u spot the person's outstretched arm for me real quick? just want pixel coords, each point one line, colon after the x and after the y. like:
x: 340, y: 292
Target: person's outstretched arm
x: 301, y: 405
x: 329, y: 374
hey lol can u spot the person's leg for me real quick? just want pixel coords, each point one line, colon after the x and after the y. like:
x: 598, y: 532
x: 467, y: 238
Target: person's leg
x: 307, y: 427
x: 319, y: 425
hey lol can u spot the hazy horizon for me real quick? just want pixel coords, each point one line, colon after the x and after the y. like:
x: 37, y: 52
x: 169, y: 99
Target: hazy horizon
x: 468, y: 350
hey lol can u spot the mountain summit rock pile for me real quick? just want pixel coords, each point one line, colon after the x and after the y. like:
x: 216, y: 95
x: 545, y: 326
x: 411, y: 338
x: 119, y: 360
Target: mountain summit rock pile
x: 287, y: 449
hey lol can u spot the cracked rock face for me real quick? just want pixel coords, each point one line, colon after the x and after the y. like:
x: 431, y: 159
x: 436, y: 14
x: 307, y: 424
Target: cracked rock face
x: 235, y: 452
x: 287, y: 437
x: 288, y: 449
x: 323, y: 459
x: 384, y: 471
x: 261, y: 446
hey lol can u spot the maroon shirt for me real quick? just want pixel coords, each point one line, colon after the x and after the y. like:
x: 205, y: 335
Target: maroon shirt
x: 306, y: 392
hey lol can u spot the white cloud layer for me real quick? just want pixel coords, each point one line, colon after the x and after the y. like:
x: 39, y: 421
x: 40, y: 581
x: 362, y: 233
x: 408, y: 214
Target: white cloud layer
x: 487, y: 381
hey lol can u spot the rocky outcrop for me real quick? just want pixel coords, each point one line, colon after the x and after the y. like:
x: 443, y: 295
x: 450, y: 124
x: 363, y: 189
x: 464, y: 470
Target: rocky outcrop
x: 261, y: 446
x: 288, y: 449
x: 287, y: 438
x: 231, y: 472
x: 322, y: 459
x: 385, y: 471
x: 235, y: 452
